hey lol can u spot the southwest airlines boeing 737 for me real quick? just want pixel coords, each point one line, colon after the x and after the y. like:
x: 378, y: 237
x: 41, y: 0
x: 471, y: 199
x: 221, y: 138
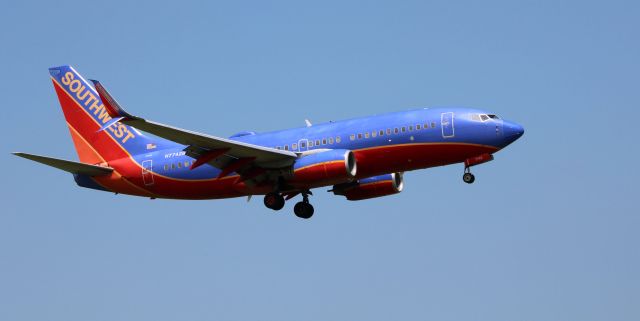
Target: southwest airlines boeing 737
x: 359, y: 159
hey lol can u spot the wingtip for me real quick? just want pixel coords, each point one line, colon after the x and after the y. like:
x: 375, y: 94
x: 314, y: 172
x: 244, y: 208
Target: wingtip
x: 21, y: 154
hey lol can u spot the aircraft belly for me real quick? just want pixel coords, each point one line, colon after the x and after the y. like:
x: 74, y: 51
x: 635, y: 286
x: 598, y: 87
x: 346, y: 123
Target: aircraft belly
x: 400, y: 158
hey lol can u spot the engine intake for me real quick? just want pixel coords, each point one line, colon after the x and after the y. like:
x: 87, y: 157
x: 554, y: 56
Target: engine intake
x: 371, y: 187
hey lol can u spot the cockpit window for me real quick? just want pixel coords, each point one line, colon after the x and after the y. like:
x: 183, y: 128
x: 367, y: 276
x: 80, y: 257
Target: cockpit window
x: 483, y: 117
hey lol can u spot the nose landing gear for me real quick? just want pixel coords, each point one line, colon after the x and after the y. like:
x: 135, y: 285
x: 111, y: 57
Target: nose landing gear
x: 468, y: 177
x: 477, y: 160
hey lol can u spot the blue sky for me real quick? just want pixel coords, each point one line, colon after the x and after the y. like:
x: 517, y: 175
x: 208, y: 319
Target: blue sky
x: 549, y: 231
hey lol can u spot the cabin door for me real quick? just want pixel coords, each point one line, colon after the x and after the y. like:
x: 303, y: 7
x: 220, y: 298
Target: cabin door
x: 446, y: 122
x: 147, y: 172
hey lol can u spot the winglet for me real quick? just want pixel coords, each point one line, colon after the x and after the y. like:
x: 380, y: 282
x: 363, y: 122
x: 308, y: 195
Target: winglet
x: 109, y: 123
x: 111, y: 105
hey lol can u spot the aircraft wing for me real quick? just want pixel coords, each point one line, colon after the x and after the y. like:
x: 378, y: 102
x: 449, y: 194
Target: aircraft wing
x: 205, y: 148
x: 68, y: 166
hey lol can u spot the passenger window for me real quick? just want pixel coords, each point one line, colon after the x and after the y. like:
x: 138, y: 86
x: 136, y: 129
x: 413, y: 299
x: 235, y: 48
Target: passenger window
x: 338, y: 139
x: 303, y: 145
x: 395, y: 130
x: 359, y: 136
x: 410, y: 127
x: 404, y: 129
x: 331, y: 140
x: 374, y: 133
x: 294, y: 146
x: 352, y: 137
x: 179, y: 165
x: 426, y: 126
x: 324, y: 141
x: 173, y: 166
x: 433, y: 124
x: 166, y: 167
x: 286, y: 147
x: 388, y: 131
x: 366, y: 135
x: 278, y: 147
x: 381, y: 132
x: 317, y: 142
x: 310, y: 143
x: 186, y: 164
x: 418, y: 127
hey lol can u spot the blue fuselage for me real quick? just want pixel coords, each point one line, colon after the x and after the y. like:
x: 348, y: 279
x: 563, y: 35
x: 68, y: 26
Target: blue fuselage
x: 386, y: 143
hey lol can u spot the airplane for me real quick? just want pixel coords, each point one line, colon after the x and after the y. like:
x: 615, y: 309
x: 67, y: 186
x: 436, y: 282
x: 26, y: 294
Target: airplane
x: 359, y: 159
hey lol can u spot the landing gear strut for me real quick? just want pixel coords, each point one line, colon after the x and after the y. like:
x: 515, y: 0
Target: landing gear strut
x: 473, y: 161
x: 304, y: 209
x: 274, y: 201
x: 468, y: 177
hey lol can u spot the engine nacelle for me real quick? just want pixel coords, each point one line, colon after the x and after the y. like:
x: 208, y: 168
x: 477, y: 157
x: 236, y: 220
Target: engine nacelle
x: 324, y: 168
x: 371, y: 187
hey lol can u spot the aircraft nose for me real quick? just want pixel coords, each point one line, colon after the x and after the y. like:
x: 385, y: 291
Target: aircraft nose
x: 513, y: 131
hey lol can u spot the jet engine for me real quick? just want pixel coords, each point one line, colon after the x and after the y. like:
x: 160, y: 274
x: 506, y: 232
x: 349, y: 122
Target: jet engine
x: 371, y: 187
x: 324, y: 168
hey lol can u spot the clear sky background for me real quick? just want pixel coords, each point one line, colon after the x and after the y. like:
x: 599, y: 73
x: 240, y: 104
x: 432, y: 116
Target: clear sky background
x: 549, y: 231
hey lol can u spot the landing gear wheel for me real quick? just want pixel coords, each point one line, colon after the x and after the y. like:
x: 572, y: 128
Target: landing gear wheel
x: 468, y: 178
x: 274, y: 201
x: 303, y: 210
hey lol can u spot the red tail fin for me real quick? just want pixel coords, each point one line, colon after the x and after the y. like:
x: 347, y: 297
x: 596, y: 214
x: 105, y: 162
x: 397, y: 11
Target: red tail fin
x: 86, y: 114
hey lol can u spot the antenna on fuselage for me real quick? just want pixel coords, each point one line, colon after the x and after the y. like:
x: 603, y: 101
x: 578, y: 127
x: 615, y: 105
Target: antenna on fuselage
x: 306, y: 121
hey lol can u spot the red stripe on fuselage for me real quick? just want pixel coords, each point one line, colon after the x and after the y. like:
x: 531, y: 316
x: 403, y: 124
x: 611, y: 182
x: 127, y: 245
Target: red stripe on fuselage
x: 401, y: 158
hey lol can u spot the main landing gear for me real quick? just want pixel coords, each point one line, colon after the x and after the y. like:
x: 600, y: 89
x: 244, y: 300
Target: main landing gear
x: 468, y: 177
x: 304, y: 209
x: 274, y: 201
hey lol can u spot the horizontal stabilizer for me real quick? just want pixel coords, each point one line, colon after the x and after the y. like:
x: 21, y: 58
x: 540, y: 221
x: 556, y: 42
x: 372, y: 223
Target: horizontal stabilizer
x: 68, y: 166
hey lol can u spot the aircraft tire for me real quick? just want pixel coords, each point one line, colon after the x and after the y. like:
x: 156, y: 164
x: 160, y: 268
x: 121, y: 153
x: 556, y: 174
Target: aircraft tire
x: 468, y: 178
x: 274, y: 201
x: 303, y: 210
